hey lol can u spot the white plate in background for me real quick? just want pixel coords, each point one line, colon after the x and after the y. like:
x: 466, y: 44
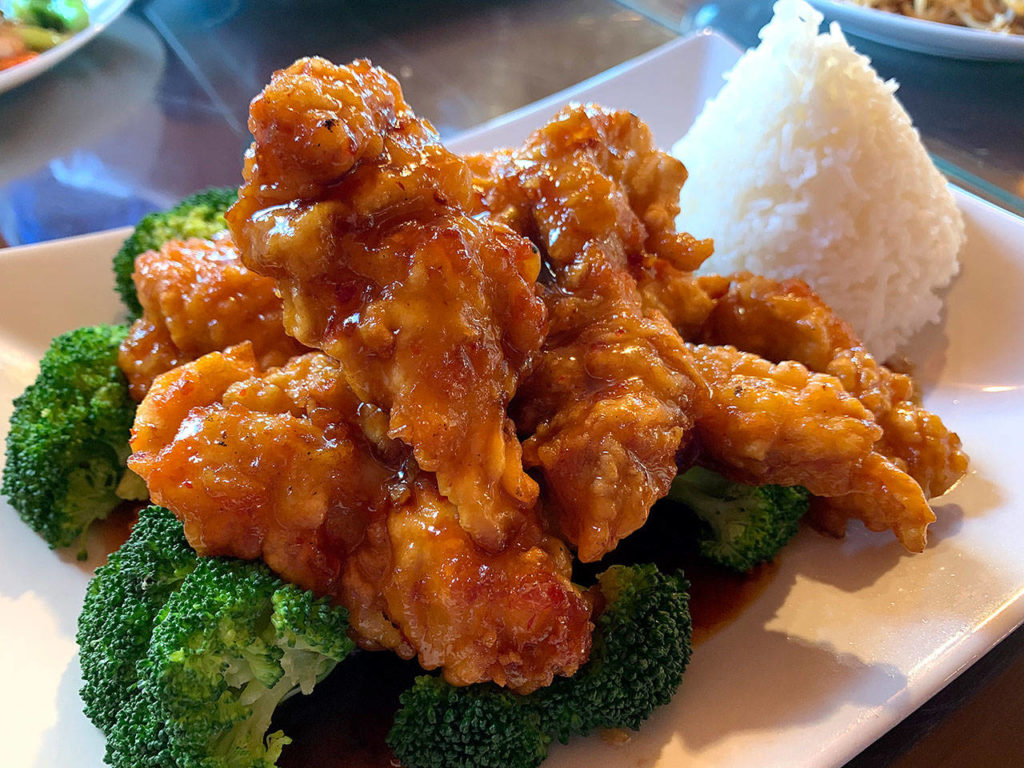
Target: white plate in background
x: 101, y: 13
x: 847, y: 638
x: 921, y: 36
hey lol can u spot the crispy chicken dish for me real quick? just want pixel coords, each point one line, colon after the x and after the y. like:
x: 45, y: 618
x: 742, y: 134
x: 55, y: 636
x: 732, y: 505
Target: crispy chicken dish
x: 423, y: 384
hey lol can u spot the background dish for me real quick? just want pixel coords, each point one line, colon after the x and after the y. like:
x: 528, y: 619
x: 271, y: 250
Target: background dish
x: 922, y: 36
x: 845, y: 639
x: 101, y: 13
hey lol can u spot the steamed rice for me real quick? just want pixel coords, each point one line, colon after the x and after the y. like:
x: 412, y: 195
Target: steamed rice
x: 805, y: 165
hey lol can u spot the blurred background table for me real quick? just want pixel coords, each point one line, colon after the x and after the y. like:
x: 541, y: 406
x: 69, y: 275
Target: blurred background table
x: 155, y: 108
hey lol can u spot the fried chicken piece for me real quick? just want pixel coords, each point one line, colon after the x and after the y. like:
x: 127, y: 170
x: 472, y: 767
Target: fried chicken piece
x: 683, y: 299
x: 876, y: 509
x: 913, y: 437
x: 261, y: 466
x: 787, y: 321
x: 420, y: 586
x: 198, y: 297
x: 637, y: 198
x: 624, y: 188
x: 271, y: 466
x: 514, y: 617
x: 358, y: 212
x: 289, y: 466
x: 614, y: 394
x: 778, y: 320
x: 607, y: 409
x: 782, y: 424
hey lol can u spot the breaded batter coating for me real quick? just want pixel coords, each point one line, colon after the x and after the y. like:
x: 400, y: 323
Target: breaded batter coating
x: 621, y: 188
x: 419, y: 586
x: 289, y: 466
x: 514, y: 618
x: 355, y: 208
x: 682, y: 298
x: 261, y: 466
x: 788, y: 321
x: 636, y: 197
x: 608, y: 410
x: 913, y: 437
x: 778, y: 320
x: 198, y: 297
x: 614, y: 394
x: 782, y: 424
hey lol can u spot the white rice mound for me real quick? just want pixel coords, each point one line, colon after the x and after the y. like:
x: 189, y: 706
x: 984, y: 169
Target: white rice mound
x: 805, y: 165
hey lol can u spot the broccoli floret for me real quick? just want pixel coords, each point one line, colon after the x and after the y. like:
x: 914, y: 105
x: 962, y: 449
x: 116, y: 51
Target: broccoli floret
x: 641, y: 649
x: 441, y: 726
x: 228, y: 646
x: 68, y: 442
x: 200, y: 215
x: 61, y: 15
x: 742, y: 525
x: 121, y: 604
x: 138, y: 739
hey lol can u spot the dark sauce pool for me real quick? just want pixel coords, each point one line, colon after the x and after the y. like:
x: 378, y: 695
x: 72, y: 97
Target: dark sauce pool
x: 344, y: 720
x: 105, y: 536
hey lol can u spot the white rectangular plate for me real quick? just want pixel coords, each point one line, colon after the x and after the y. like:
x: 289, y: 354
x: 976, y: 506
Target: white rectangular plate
x: 847, y: 638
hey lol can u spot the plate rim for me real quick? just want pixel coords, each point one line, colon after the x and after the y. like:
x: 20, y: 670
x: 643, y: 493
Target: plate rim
x: 702, y: 37
x: 107, y: 13
x: 922, y: 35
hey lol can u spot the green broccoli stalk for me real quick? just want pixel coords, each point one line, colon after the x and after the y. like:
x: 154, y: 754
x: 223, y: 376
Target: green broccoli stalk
x: 121, y: 605
x: 68, y: 442
x: 229, y: 645
x: 742, y: 525
x: 641, y: 649
x: 200, y: 215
